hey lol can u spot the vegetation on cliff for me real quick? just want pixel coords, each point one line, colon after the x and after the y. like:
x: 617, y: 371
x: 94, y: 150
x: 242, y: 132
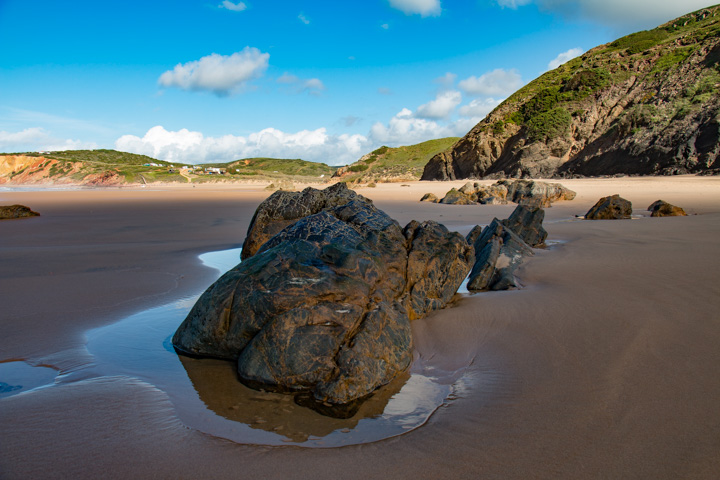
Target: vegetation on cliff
x: 644, y: 104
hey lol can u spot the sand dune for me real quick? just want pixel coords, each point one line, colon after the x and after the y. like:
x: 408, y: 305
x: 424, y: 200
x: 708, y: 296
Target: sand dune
x: 604, y: 366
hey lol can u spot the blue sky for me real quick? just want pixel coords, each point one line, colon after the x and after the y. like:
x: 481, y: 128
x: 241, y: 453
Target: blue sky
x: 209, y: 81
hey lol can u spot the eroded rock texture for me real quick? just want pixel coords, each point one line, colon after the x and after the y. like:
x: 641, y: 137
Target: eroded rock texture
x: 324, y: 306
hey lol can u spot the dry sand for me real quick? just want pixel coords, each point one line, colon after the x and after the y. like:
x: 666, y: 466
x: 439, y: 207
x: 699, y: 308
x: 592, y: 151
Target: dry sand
x: 606, y: 365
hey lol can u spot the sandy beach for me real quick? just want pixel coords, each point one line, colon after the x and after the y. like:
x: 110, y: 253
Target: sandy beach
x: 605, y: 365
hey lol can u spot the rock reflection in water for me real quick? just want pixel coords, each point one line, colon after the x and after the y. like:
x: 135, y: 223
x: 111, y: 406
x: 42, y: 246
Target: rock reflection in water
x: 218, y: 387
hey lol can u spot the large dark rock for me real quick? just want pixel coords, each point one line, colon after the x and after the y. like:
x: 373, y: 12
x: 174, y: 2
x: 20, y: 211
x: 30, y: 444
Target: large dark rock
x: 498, y: 253
x: 324, y: 306
x: 613, y: 207
x: 526, y: 222
x: 8, y: 212
x: 284, y: 208
x: 661, y: 208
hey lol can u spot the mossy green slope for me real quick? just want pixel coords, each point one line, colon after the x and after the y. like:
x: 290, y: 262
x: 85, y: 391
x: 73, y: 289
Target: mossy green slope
x: 644, y: 104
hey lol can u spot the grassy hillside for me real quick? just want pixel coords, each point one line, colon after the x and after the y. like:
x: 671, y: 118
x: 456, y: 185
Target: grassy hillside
x: 645, y: 104
x: 395, y: 164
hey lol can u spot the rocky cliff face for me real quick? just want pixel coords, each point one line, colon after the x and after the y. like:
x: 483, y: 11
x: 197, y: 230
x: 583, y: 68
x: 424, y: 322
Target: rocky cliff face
x: 646, y: 104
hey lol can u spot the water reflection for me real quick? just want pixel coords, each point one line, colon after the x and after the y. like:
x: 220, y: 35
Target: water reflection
x: 18, y: 376
x: 208, y: 396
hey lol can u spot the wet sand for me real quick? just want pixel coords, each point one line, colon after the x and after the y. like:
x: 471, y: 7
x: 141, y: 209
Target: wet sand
x: 604, y: 366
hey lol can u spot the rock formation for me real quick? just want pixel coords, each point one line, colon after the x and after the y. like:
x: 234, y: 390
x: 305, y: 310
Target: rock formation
x: 661, y: 208
x: 645, y: 104
x: 610, y: 208
x: 16, y: 211
x: 323, y: 306
x: 527, y: 192
x: 526, y: 223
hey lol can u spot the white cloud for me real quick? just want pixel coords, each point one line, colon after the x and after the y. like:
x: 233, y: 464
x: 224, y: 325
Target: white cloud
x: 193, y: 147
x: 441, y: 107
x: 619, y: 13
x: 313, y: 86
x: 235, y: 7
x: 498, y: 82
x: 513, y: 3
x: 479, y: 108
x: 385, y: 26
x: 565, y: 57
x: 35, y: 139
x: 304, y: 19
x: 426, y: 8
x: 219, y: 74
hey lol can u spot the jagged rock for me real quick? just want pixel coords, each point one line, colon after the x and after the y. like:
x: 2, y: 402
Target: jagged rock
x: 498, y: 253
x: 324, y: 306
x: 456, y: 197
x: 429, y: 197
x: 610, y: 208
x: 526, y: 222
x: 284, y: 208
x: 661, y: 208
x: 532, y: 192
x: 8, y: 212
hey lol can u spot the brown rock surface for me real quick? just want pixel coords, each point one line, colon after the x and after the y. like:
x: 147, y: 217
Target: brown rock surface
x: 16, y: 211
x: 613, y: 207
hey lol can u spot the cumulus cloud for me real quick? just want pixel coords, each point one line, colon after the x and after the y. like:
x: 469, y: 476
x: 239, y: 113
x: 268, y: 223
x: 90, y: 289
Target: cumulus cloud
x: 498, y: 82
x: 193, y: 147
x: 441, y: 107
x: 565, y: 57
x: 425, y: 8
x: 37, y: 139
x: 219, y: 74
x: 313, y: 86
x: 618, y: 13
x: 234, y: 7
x: 479, y: 108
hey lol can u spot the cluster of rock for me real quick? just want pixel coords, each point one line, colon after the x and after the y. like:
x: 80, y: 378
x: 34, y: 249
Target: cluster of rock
x: 614, y: 207
x: 524, y: 192
x: 322, y: 302
x: 8, y: 212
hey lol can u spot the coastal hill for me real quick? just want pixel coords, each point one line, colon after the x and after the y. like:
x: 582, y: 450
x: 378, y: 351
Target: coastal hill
x: 399, y: 164
x: 110, y: 167
x: 645, y: 104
